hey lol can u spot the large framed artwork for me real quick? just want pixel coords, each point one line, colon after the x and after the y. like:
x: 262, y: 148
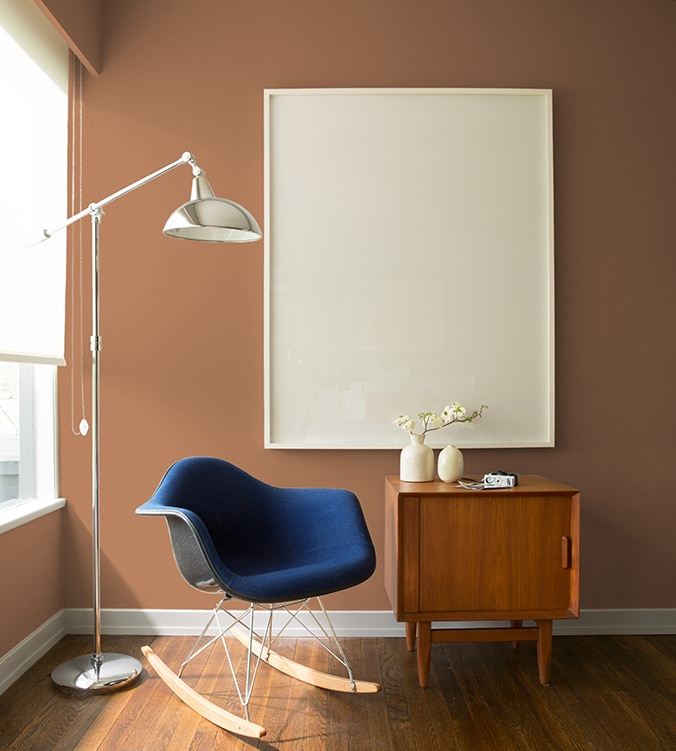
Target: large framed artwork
x: 409, y: 263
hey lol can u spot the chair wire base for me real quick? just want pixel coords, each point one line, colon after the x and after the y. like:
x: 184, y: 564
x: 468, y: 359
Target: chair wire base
x: 259, y: 638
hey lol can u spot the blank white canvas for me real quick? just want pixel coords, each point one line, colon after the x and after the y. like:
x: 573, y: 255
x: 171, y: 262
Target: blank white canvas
x: 409, y: 264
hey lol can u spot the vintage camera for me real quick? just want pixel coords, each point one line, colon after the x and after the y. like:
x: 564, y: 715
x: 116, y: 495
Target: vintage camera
x: 500, y: 479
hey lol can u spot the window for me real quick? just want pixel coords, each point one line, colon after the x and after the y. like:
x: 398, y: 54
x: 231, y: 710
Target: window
x: 33, y: 183
x: 27, y: 433
x: 9, y: 432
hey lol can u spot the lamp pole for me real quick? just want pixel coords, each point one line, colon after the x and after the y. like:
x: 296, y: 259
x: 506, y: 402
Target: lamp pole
x: 96, y: 446
x: 204, y: 218
x: 98, y: 672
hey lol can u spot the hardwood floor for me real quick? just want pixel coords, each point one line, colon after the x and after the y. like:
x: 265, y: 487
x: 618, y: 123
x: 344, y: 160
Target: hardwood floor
x: 606, y: 694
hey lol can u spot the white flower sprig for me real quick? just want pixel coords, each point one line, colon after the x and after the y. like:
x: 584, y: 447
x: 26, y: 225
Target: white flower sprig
x: 452, y: 413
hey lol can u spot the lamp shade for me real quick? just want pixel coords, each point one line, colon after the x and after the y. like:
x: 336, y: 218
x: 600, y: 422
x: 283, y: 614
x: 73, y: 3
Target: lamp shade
x: 209, y: 219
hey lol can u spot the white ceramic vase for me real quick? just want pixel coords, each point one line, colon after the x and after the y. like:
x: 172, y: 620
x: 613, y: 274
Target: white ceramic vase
x: 451, y: 465
x: 416, y: 463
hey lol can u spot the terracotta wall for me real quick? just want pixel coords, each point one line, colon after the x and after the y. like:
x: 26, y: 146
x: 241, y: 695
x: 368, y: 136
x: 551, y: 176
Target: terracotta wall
x: 31, y: 578
x: 183, y: 325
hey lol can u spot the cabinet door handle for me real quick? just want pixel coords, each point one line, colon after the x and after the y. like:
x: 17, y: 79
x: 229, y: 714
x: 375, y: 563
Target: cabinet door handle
x: 565, y: 552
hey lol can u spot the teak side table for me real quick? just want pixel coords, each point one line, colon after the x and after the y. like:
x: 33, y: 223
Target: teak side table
x: 453, y: 554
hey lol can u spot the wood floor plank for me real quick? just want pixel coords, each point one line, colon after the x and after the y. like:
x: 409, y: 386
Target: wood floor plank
x: 138, y: 727
x: 308, y: 704
x: 396, y: 662
x: 93, y: 726
x: 597, y: 692
x: 33, y: 693
x: 204, y: 674
x: 269, y: 702
x: 367, y: 667
x: 645, y: 659
x: 210, y: 675
x: 493, y: 723
x: 535, y: 707
x: 606, y: 694
x: 451, y: 714
x: 349, y: 714
x: 73, y: 714
x: 630, y: 681
x: 550, y: 705
x: 429, y: 717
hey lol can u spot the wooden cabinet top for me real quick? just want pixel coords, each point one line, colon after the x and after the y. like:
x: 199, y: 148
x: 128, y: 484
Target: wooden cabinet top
x: 456, y: 554
x: 528, y: 484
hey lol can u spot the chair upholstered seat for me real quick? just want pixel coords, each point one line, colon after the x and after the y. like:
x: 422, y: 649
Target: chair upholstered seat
x: 257, y: 542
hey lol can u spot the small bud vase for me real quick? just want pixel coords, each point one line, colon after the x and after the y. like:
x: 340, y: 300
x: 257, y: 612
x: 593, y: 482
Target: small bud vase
x: 451, y: 464
x: 416, y: 463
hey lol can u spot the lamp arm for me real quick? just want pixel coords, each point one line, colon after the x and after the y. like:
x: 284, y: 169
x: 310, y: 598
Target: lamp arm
x: 95, y: 208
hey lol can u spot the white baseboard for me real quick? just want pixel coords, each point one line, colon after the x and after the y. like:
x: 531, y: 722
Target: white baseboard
x: 620, y: 621
x: 191, y: 622
x: 370, y: 623
x: 15, y: 663
x: 363, y: 623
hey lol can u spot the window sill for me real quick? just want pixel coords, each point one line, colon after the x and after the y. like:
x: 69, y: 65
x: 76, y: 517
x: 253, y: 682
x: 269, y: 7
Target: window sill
x: 27, y: 511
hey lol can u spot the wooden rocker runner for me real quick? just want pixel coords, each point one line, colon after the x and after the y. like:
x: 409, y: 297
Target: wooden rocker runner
x: 276, y: 549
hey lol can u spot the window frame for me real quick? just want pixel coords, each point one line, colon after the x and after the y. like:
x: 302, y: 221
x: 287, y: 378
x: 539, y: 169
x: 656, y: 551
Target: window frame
x: 38, y: 448
x: 38, y: 481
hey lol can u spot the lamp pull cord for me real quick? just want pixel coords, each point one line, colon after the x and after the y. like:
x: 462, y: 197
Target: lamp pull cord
x: 76, y: 247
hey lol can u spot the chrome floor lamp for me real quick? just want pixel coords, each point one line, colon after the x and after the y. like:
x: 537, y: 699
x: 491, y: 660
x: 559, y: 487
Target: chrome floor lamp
x: 204, y: 218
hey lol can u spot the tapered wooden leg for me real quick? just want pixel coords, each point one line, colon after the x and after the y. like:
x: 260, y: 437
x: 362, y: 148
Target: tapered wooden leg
x: 410, y: 635
x: 424, y: 652
x: 544, y: 650
x: 516, y: 624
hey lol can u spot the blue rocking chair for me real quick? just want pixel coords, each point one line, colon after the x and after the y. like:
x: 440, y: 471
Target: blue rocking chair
x: 275, y: 549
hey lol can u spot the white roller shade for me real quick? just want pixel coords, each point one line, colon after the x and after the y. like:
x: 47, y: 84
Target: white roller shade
x: 33, y: 184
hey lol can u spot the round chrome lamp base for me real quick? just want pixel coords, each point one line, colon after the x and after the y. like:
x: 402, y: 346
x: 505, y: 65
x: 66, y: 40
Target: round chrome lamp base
x: 97, y: 674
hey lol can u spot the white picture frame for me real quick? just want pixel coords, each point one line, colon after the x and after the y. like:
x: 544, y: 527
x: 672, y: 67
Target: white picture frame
x: 409, y: 263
